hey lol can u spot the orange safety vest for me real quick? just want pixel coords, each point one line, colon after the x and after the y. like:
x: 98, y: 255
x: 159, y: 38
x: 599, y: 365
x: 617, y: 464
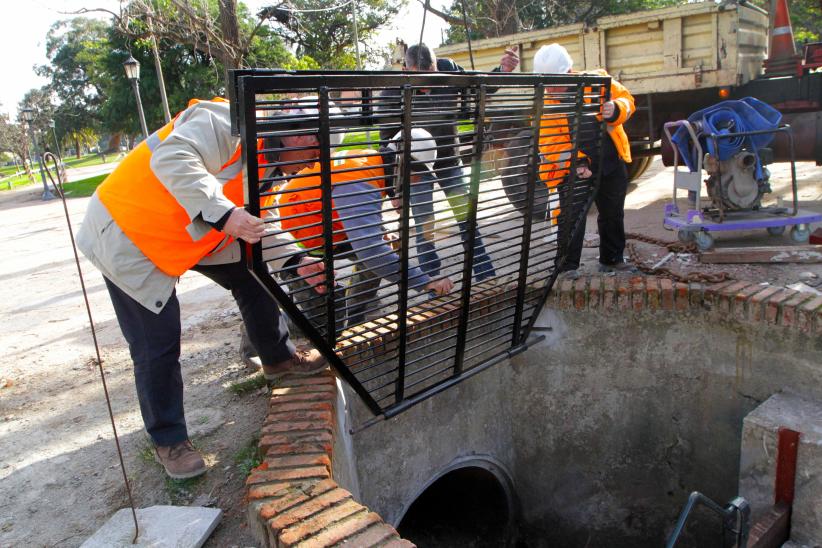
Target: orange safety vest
x: 622, y: 97
x: 152, y: 218
x: 300, y: 205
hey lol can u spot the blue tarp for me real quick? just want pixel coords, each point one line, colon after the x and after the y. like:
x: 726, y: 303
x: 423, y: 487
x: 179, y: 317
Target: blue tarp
x: 746, y: 114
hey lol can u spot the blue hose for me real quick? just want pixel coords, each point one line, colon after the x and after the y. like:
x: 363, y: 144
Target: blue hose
x: 746, y: 114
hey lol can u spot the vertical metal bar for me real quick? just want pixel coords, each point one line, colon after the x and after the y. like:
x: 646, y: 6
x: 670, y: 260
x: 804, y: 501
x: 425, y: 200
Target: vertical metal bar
x: 533, y: 180
x: 471, y: 231
x: 251, y: 181
x: 405, y: 182
x: 597, y: 178
x: 327, y: 201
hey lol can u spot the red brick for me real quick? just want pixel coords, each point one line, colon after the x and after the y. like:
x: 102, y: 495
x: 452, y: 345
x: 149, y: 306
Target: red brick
x: 373, y: 536
x: 696, y: 294
x: 298, y: 415
x: 595, y: 292
x: 308, y: 397
x: 566, y: 288
x: 319, y: 379
x: 265, y: 491
x: 727, y: 295
x: 299, y: 514
x: 637, y: 285
x: 608, y: 292
x: 303, y: 528
x: 271, y: 509
x: 681, y: 302
x: 309, y: 389
x: 580, y: 293
x: 279, y: 449
x: 321, y: 439
x: 287, y: 474
x: 277, y: 427
x: 772, y: 305
x: 756, y: 310
x: 806, y: 313
x: 790, y: 308
x: 666, y: 293
x: 712, y: 293
x: 741, y: 301
x: 652, y: 292
x: 342, y: 530
x: 293, y: 461
x: 623, y: 293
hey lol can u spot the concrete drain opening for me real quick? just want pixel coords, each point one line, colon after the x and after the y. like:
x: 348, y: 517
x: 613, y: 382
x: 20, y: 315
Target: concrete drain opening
x: 466, y: 507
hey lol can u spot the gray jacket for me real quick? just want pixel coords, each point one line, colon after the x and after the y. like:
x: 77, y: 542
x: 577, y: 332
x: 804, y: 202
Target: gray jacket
x: 186, y: 163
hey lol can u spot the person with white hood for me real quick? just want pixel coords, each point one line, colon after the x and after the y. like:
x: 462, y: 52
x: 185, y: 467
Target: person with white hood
x: 616, y: 152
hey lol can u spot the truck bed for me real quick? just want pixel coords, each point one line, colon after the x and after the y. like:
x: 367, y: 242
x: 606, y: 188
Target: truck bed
x: 694, y: 46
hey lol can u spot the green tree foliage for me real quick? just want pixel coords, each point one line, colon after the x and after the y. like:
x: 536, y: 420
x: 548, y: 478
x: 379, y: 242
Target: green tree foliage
x: 77, y: 50
x: 491, y: 18
x: 88, y: 83
x: 14, y: 139
x: 326, y: 32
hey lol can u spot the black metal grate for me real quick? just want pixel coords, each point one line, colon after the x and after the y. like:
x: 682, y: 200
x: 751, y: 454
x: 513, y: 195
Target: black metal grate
x: 497, y: 230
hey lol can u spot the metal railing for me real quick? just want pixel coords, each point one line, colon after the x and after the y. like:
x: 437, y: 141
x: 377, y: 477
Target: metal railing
x: 337, y: 162
x: 736, y: 520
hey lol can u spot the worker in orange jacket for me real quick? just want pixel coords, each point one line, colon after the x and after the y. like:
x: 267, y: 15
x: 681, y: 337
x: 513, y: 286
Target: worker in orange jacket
x: 616, y: 152
x: 358, y: 179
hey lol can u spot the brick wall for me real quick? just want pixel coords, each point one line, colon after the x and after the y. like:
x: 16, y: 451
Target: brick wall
x: 742, y: 301
x: 292, y: 498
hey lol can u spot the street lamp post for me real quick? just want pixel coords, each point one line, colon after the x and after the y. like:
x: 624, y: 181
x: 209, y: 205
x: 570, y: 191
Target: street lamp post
x: 28, y: 117
x: 132, y: 67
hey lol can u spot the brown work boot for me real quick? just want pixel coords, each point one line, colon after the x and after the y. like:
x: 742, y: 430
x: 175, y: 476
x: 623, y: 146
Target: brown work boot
x: 181, y: 461
x: 305, y: 361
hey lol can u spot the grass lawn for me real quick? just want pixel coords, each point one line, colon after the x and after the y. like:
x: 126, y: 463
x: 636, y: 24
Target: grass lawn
x: 83, y: 187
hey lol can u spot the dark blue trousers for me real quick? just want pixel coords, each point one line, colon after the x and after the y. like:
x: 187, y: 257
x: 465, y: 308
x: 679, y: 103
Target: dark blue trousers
x: 154, y: 343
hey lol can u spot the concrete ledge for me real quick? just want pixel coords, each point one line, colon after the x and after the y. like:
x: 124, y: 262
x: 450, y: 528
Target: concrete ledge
x: 292, y: 498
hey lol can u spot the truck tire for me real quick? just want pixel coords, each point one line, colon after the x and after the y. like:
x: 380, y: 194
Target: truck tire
x: 638, y: 167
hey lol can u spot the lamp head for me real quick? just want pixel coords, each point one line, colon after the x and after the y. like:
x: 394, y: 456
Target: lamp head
x: 132, y: 67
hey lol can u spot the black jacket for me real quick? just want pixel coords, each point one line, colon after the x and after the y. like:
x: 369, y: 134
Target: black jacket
x: 437, y: 109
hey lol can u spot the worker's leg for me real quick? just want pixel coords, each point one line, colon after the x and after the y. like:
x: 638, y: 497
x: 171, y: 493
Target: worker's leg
x: 263, y: 321
x: 456, y: 189
x: 422, y: 209
x: 610, y: 202
x: 570, y: 242
x: 154, y: 343
x: 361, y: 294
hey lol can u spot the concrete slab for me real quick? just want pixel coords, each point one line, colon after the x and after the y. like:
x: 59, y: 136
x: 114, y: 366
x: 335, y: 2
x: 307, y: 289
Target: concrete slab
x: 160, y: 527
x: 758, y: 462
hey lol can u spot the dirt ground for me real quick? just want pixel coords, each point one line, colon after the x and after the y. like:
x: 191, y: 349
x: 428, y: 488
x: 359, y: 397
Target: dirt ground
x: 59, y: 475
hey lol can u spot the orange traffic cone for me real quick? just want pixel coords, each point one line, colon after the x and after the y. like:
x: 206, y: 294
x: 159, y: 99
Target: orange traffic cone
x: 782, y: 58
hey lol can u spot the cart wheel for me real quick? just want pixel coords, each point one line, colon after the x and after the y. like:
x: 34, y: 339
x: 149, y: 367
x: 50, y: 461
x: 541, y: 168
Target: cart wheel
x: 800, y: 234
x: 685, y: 236
x: 704, y: 241
x: 776, y: 230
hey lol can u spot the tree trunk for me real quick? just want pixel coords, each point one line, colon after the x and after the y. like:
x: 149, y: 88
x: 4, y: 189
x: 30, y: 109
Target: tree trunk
x: 25, y: 161
x: 77, y: 147
x: 231, y: 35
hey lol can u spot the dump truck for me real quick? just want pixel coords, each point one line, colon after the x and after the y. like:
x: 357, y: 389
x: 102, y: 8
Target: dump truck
x: 678, y: 60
